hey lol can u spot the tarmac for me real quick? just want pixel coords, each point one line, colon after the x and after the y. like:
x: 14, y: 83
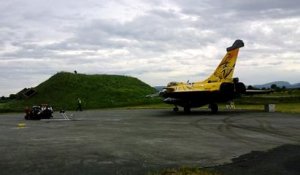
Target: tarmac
x: 126, y: 141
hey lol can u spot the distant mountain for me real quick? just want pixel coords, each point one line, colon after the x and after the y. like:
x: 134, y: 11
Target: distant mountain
x: 297, y: 85
x: 159, y: 88
x: 278, y: 84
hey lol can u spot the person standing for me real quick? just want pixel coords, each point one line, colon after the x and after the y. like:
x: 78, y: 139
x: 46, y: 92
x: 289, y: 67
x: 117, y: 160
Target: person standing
x: 79, y: 106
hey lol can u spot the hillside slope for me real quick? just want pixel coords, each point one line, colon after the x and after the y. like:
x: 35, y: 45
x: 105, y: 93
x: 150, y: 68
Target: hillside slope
x: 96, y: 91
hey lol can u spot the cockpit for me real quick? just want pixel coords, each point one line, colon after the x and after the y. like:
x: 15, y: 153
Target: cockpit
x: 172, y: 84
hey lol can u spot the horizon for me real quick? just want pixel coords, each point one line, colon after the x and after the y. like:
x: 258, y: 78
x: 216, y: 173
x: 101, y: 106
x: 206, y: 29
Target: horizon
x: 156, y: 42
x: 133, y: 77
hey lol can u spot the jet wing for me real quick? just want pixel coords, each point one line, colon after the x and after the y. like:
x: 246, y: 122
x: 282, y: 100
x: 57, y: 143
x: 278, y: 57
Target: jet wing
x: 255, y: 92
x: 153, y: 95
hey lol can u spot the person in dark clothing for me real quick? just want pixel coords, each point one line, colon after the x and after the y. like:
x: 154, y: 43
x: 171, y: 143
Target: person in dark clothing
x: 79, y: 107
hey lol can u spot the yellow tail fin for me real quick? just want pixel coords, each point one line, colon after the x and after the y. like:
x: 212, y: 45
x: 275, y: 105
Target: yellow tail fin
x: 224, y: 71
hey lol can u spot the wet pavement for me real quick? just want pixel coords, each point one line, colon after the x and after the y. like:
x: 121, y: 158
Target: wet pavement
x: 122, y: 141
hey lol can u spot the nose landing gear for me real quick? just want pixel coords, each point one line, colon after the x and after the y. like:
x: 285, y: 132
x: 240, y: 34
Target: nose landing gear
x: 213, y: 107
x: 175, y: 109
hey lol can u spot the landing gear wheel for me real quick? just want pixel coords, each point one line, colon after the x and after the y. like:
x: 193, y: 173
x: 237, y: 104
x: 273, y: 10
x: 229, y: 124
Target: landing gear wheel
x: 187, y: 109
x: 214, y: 108
x: 175, y: 109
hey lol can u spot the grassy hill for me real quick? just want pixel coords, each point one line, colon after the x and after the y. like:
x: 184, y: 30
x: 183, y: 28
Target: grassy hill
x: 96, y: 91
x: 283, y: 96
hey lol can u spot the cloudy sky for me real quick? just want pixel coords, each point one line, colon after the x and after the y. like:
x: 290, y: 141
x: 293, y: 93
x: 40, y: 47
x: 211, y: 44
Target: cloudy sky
x: 157, y: 41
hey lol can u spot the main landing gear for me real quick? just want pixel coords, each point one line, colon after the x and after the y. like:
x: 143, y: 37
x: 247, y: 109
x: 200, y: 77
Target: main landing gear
x: 175, y: 109
x: 186, y: 109
x: 213, y: 107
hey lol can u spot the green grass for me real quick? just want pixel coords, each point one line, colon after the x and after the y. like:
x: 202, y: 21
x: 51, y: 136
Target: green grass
x: 4, y: 108
x: 96, y: 91
x: 285, y: 101
x: 286, y: 96
x: 282, y: 107
x: 288, y: 107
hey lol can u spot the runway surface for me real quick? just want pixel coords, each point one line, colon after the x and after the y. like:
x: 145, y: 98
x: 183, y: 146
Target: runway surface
x: 137, y: 141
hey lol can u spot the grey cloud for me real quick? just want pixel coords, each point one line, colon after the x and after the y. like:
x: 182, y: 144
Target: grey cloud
x: 156, y: 31
x: 219, y: 7
x: 258, y: 5
x: 154, y: 37
x: 275, y: 63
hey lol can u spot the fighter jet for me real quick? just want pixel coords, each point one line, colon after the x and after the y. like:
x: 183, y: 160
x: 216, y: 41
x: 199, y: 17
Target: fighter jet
x: 217, y: 88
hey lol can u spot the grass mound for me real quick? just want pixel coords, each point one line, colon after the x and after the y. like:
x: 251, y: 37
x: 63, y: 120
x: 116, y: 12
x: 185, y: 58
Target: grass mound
x: 95, y: 91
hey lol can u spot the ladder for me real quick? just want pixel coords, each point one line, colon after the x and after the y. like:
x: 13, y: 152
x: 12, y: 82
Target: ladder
x: 64, y: 115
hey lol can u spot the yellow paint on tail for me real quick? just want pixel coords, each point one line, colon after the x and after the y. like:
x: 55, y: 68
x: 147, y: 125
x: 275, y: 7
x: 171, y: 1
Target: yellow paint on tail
x: 224, y: 72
